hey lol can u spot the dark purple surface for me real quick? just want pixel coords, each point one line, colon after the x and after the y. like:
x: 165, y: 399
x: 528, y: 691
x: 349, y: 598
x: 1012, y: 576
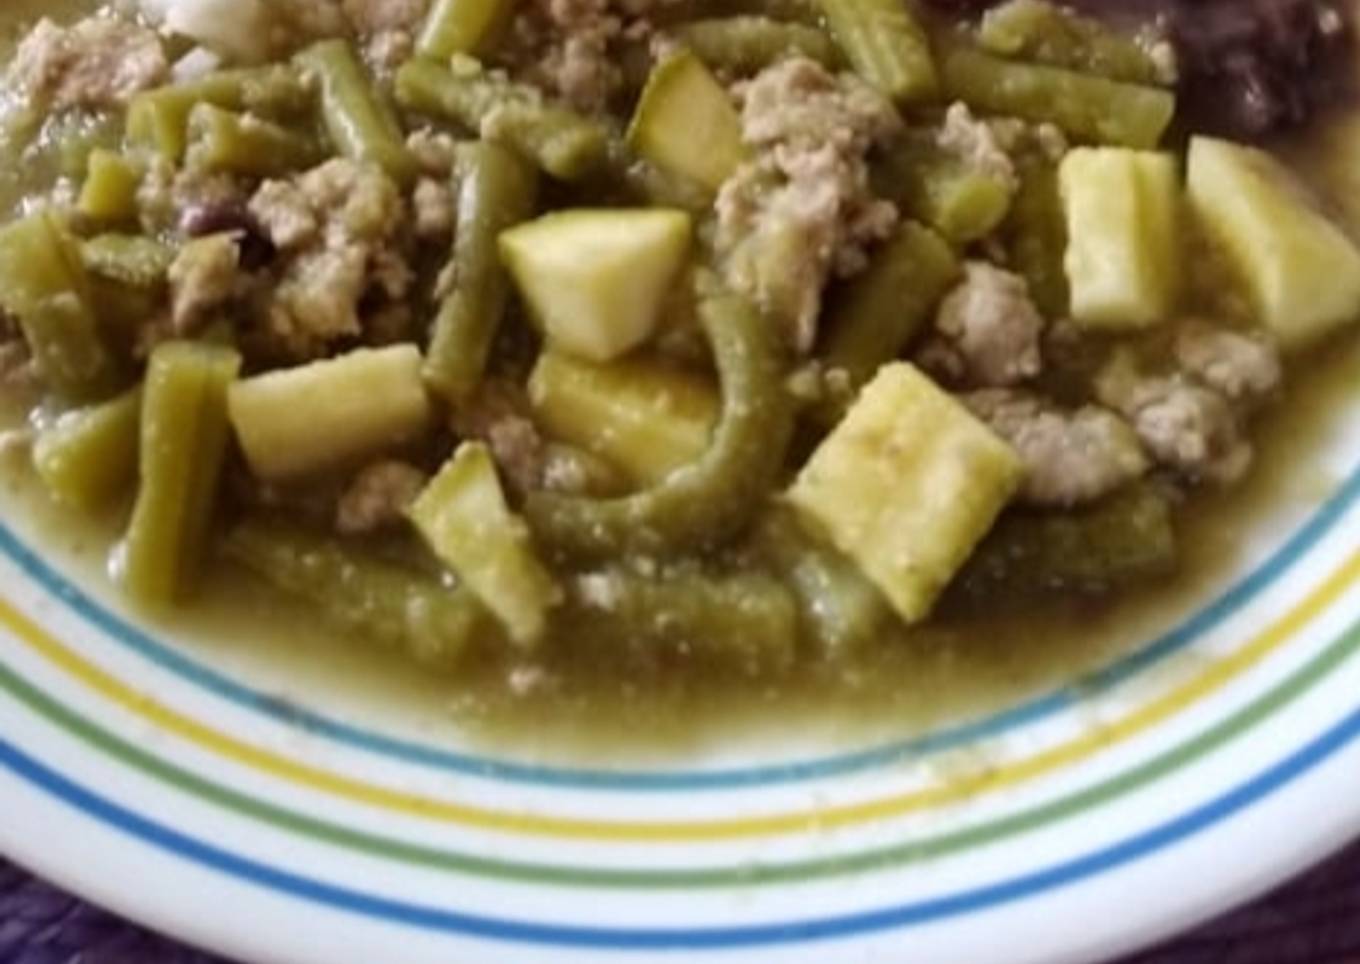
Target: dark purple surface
x: 1314, y: 920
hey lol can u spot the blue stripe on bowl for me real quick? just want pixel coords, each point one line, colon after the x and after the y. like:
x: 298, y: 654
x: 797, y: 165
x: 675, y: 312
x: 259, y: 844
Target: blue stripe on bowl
x: 1091, y: 865
x: 1056, y: 701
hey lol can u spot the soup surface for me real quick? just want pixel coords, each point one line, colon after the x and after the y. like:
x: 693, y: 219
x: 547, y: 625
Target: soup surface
x: 647, y: 370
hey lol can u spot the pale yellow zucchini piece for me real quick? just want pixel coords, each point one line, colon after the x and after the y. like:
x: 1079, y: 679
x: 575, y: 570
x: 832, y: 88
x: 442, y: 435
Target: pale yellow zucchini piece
x: 464, y: 519
x: 596, y: 280
x: 686, y: 123
x: 906, y: 486
x: 303, y: 420
x: 643, y: 417
x: 1301, y: 272
x: 1123, y: 252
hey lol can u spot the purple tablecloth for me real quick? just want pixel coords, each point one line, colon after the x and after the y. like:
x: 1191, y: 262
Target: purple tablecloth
x: 1314, y: 920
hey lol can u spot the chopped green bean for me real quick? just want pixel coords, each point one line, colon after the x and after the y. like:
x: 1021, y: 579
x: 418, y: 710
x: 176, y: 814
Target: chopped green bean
x: 702, y: 504
x: 133, y: 260
x: 432, y: 623
x: 1036, y: 235
x: 886, y: 45
x: 361, y: 124
x: 462, y: 27
x: 496, y: 190
x: 110, y: 189
x: 841, y: 610
x: 160, y: 118
x: 748, y: 620
x: 960, y: 200
x: 873, y: 318
x: 1088, y: 108
x: 1042, y: 31
x: 1126, y: 539
x: 749, y: 44
x: 183, y: 438
x: 44, y: 285
x: 221, y: 141
x: 563, y: 143
x: 88, y: 456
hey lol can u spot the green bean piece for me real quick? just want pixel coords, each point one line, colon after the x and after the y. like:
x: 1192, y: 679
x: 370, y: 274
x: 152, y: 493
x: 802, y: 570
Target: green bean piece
x: 183, y: 438
x: 560, y: 141
x: 703, y: 504
x: 87, y: 457
x: 886, y: 46
x: 872, y: 319
x: 222, y: 141
x: 748, y: 620
x: 44, y: 285
x: 840, y: 610
x: 359, y: 593
x: 496, y: 190
x: 160, y: 118
x: 110, y: 189
x: 749, y: 44
x: 462, y: 27
x: 1044, y: 32
x: 133, y: 260
x: 1036, y: 235
x: 1091, y: 109
x: 1126, y: 539
x: 361, y: 124
x: 961, y: 201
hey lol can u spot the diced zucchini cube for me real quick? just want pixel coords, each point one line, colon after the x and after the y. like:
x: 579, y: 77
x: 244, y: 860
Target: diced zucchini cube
x: 302, y: 420
x: 1301, y: 272
x: 1123, y: 251
x: 646, y: 418
x: 465, y: 520
x: 686, y: 123
x: 906, y: 486
x: 596, y: 280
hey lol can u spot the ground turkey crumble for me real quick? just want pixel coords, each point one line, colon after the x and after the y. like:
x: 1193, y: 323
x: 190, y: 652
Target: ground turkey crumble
x: 977, y: 143
x: 568, y: 48
x: 802, y: 210
x: 1070, y: 457
x: 97, y: 62
x: 378, y: 497
x: 339, y: 232
x: 989, y: 330
x: 205, y: 276
x: 1191, y: 417
x: 387, y: 28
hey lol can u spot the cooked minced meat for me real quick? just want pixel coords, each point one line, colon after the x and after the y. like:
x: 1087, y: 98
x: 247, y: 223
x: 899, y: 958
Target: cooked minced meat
x: 991, y: 324
x: 1239, y: 366
x: 499, y: 415
x: 977, y: 143
x: 205, y: 275
x: 566, y: 47
x: 803, y: 210
x: 1185, y: 426
x: 373, y: 17
x: 378, y: 497
x: 190, y: 201
x: 433, y: 151
x: 1071, y: 457
x: 339, y: 231
x: 434, y: 207
x: 96, y: 62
